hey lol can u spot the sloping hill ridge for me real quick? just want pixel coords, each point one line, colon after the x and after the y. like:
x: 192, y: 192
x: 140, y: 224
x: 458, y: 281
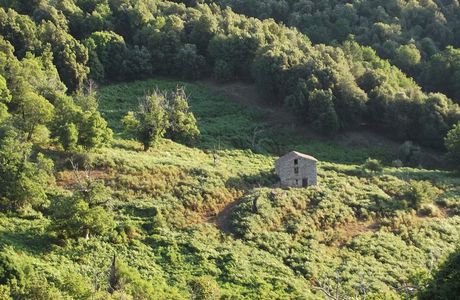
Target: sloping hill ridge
x: 184, y: 213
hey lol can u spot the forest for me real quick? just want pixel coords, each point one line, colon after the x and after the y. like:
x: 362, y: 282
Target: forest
x: 138, y: 141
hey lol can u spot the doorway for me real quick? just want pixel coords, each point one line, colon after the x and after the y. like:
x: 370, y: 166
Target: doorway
x: 305, y: 182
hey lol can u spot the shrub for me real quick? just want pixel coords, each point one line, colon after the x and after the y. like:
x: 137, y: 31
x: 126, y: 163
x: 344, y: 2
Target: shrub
x: 5, y: 292
x: 73, y: 217
x: 162, y: 114
x: 446, y: 281
x: 397, y: 163
x: 182, y: 122
x: 124, y: 280
x: 429, y: 210
x: 452, y: 142
x: 372, y: 167
x: 204, y: 288
x: 419, y: 193
x: 410, y: 154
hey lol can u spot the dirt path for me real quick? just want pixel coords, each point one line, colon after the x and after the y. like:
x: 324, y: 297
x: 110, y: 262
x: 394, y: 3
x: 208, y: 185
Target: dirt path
x: 280, y: 117
x: 223, y: 218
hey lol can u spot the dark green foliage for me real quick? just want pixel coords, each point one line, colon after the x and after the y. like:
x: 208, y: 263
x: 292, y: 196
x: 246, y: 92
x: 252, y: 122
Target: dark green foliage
x: 23, y: 180
x: 446, y: 281
x: 83, y: 214
x: 452, y: 142
x: 190, y: 64
x: 79, y: 125
x: 20, y: 30
x: 182, y: 123
x: 150, y: 122
x: 137, y: 64
x: 109, y: 49
x: 162, y: 114
x: 410, y: 154
x: 322, y: 114
x: 443, y: 72
x: 69, y: 55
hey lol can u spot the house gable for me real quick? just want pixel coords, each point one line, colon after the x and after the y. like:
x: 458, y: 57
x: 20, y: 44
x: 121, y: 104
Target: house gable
x: 296, y: 169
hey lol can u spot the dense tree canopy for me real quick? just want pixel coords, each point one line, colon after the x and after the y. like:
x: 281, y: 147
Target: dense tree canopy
x: 113, y: 40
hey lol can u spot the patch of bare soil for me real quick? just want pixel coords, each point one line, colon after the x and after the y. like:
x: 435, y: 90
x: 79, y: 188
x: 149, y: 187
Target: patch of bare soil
x: 348, y: 231
x: 67, y: 179
x: 223, y: 219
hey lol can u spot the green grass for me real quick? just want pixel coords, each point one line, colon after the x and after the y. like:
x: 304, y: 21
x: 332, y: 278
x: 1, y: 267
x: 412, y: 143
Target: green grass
x: 224, y: 124
x: 357, y: 226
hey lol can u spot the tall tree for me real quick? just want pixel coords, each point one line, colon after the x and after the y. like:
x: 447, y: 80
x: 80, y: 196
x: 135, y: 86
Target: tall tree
x: 150, y: 122
x: 182, y: 122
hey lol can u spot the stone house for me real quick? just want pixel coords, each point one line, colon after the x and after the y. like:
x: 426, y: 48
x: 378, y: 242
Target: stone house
x: 296, y: 169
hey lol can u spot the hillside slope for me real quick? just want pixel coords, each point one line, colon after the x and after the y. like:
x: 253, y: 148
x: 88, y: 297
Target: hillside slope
x: 377, y: 235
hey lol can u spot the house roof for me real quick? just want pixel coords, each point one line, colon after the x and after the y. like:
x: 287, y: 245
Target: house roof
x: 298, y: 154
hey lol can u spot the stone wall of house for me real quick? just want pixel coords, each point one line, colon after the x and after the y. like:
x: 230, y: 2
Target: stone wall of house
x: 285, y: 168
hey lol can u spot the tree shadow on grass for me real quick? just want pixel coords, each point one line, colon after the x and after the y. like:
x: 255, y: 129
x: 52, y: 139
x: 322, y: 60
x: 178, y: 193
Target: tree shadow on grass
x: 262, y: 179
x: 422, y: 174
x: 400, y: 173
x: 29, y: 240
x: 445, y: 283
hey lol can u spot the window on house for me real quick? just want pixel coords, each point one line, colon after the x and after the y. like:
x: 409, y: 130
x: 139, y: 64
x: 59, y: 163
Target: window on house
x: 296, y: 161
x: 296, y: 170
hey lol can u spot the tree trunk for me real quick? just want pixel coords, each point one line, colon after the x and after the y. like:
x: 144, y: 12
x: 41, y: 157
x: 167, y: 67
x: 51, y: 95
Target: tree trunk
x: 254, y: 205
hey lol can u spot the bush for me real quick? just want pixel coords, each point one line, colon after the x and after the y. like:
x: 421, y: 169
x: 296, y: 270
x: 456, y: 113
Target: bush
x: 429, y: 210
x: 410, y: 154
x: 372, y: 167
x: 204, y: 288
x: 446, y: 281
x: 5, y: 292
x: 452, y: 142
x: 419, y: 193
x: 73, y: 217
x: 397, y: 163
x: 125, y: 280
x: 162, y: 114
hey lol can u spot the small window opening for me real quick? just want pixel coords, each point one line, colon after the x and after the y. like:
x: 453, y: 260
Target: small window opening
x: 296, y: 161
x: 296, y: 170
